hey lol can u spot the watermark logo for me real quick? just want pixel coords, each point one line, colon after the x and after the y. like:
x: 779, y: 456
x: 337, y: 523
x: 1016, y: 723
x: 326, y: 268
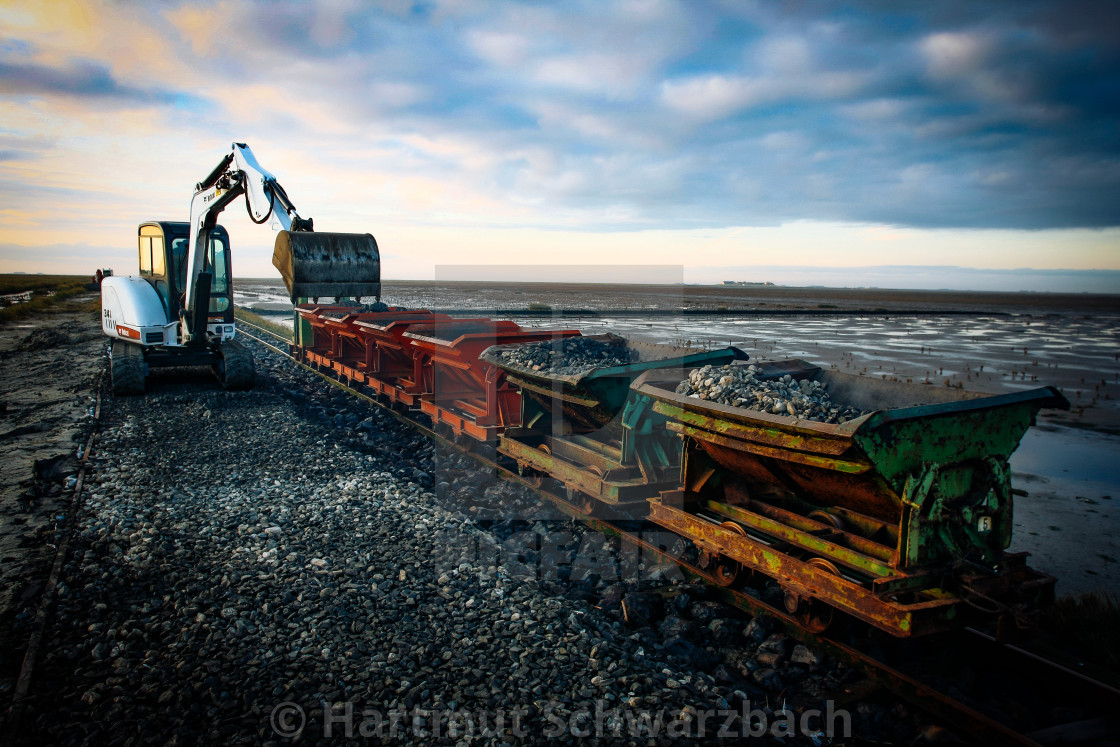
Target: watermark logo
x: 288, y: 719
x: 558, y: 721
x: 562, y: 555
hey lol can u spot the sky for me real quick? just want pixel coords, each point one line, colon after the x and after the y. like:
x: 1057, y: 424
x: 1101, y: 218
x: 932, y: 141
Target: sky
x: 782, y: 141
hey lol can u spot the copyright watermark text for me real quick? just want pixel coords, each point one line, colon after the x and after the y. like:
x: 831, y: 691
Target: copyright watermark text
x: 555, y: 720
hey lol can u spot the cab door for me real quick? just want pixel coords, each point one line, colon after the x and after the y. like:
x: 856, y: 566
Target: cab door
x: 153, y: 263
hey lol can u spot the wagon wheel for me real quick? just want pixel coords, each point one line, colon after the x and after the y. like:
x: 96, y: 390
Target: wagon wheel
x: 582, y: 502
x: 530, y: 475
x: 465, y: 441
x: 813, y: 614
x: 825, y: 517
x: 585, y: 504
x: 726, y: 571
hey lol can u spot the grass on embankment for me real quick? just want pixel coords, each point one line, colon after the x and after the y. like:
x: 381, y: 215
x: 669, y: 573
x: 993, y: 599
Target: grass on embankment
x: 16, y: 283
x: 64, y: 287
x: 248, y: 316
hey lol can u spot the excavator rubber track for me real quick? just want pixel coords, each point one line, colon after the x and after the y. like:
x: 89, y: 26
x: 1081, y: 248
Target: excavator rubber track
x: 234, y: 366
x: 126, y: 366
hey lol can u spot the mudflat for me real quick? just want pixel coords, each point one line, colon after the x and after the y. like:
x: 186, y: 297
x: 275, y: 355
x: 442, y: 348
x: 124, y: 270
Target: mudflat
x: 49, y: 364
x: 607, y: 297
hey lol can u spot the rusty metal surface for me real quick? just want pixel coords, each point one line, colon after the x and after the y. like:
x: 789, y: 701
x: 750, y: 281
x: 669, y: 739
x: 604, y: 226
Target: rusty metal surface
x: 864, y: 558
x: 930, y: 612
x: 317, y: 264
x: 917, y: 498
x: 583, y: 470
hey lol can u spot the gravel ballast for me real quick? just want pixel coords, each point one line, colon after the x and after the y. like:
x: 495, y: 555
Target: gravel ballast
x: 243, y: 558
x: 742, y: 386
x: 568, y: 356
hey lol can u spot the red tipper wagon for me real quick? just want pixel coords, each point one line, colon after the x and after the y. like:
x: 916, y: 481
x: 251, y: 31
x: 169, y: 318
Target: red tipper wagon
x: 461, y: 391
x: 323, y: 346
x: 341, y: 346
x: 390, y: 354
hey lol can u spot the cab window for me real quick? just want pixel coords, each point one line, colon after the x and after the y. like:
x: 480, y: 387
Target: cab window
x: 158, y: 265
x: 152, y: 260
x: 145, y: 255
x: 179, y: 262
x: 219, y: 265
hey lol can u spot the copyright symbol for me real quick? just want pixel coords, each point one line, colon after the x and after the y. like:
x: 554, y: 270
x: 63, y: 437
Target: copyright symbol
x: 287, y: 719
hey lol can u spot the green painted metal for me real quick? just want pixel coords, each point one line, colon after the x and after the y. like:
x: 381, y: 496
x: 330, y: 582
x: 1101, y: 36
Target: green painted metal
x: 948, y: 464
x: 646, y: 441
x: 899, y: 441
x: 937, y: 470
x: 301, y: 329
x: 927, y: 612
x: 829, y: 546
x: 712, y: 434
x: 584, y: 416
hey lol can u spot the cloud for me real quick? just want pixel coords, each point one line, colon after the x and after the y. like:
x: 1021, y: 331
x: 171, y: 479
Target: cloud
x: 77, y: 79
x: 590, y: 116
x: 954, y: 54
x: 781, y: 69
x: 713, y: 96
x: 505, y: 49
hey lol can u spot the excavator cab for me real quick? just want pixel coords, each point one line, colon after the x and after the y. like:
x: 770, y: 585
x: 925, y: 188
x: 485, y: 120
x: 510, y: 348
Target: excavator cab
x: 163, y: 263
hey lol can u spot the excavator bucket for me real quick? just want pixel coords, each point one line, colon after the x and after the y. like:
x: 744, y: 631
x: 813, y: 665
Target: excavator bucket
x: 339, y: 265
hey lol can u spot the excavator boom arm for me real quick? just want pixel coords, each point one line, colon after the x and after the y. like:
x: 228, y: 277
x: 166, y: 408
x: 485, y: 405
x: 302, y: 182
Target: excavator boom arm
x: 311, y: 263
x: 239, y: 173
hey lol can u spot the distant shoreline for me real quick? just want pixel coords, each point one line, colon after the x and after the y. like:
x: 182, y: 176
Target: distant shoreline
x: 640, y: 313
x: 745, y: 287
x: 584, y: 299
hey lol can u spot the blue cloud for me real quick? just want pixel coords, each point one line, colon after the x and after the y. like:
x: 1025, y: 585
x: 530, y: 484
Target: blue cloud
x: 79, y: 79
x: 656, y: 113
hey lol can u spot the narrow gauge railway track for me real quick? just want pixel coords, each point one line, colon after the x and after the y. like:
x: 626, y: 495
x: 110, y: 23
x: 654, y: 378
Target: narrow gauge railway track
x: 921, y: 677
x: 66, y: 529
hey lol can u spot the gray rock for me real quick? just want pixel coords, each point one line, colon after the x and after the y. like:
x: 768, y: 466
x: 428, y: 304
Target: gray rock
x: 744, y: 387
x: 804, y: 655
x: 568, y: 356
x: 758, y: 629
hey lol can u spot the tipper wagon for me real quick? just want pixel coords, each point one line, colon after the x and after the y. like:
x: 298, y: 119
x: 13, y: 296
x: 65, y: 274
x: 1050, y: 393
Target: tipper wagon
x: 900, y: 517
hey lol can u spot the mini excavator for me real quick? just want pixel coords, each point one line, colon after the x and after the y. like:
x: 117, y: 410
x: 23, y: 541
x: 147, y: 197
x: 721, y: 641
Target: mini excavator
x: 178, y: 311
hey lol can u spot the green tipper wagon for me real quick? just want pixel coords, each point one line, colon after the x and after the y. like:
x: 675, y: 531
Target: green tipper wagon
x: 591, y: 432
x: 896, y: 517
